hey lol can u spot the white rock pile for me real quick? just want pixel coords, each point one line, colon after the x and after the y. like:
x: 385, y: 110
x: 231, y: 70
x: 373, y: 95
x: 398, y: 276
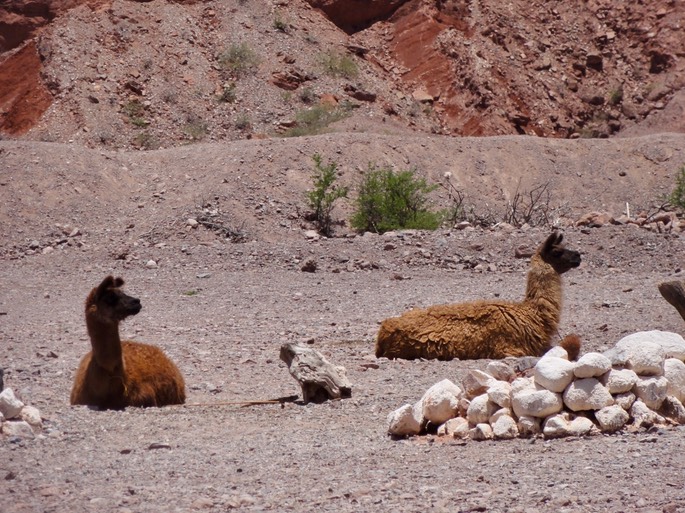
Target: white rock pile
x: 637, y: 384
x: 18, y: 420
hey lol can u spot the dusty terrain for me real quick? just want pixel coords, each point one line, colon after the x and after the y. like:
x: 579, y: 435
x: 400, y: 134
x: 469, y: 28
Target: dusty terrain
x: 101, y: 80
x: 221, y: 310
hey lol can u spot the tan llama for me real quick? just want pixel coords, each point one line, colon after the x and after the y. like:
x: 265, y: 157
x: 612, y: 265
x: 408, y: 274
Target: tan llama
x: 487, y: 329
x: 118, y: 374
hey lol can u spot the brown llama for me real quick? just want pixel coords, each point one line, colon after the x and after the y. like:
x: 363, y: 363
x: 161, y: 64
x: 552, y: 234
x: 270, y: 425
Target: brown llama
x: 116, y: 373
x: 488, y: 329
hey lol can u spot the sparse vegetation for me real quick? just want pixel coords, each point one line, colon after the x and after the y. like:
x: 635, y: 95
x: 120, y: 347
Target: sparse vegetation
x: 146, y: 141
x: 530, y: 206
x: 338, y: 65
x: 322, y: 198
x: 280, y: 24
x: 391, y: 200
x: 238, y: 58
x: 616, y: 96
x: 307, y: 95
x: 315, y: 119
x: 135, y: 111
x: 195, y: 128
x: 677, y: 197
x: 228, y: 93
x: 243, y: 122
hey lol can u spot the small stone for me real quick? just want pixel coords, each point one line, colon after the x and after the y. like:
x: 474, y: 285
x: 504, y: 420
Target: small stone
x: 644, y: 417
x: 18, y: 428
x: 151, y: 264
x: 618, y: 381
x: 500, y: 371
x: 10, y: 406
x: 674, y: 371
x: 405, y: 421
x: 309, y: 266
x: 457, y: 427
x: 441, y: 402
x: 505, y: 428
x: 625, y: 400
x: 499, y: 393
x: 535, y: 402
x: 529, y: 426
x: 31, y: 415
x: 481, y: 409
x: 553, y: 373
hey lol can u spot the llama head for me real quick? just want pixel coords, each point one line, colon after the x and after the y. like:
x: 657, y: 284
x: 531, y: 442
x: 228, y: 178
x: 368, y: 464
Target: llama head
x: 555, y: 254
x: 109, y: 303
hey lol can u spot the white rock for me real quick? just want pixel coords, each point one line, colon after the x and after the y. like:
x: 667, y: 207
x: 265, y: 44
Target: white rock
x: 464, y: 404
x: 405, y: 421
x: 644, y: 356
x: 559, y: 425
x: 587, y: 394
x: 502, y: 411
x: 556, y: 426
x: 553, y: 373
x: 651, y: 390
x: 482, y: 432
x: 481, y: 409
x: 644, y: 417
x: 625, y: 400
x: 529, y: 426
x: 500, y: 393
x: 591, y: 365
x: 476, y: 382
x: 31, y: 415
x: 312, y: 235
x: 521, y: 384
x: 505, y: 428
x: 457, y: 427
x: 441, y: 402
x: 18, y: 428
x: 581, y: 426
x: 673, y: 344
x: 557, y: 352
x: 535, y: 402
x: 501, y: 371
x: 619, y: 381
x: 674, y: 371
x: 151, y: 264
x: 10, y: 406
x: 612, y: 418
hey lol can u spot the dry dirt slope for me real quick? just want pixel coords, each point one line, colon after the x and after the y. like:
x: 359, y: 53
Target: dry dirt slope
x: 222, y: 310
x: 260, y: 185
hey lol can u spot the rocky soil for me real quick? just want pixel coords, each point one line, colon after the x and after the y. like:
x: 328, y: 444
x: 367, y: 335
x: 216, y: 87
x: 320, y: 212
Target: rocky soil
x: 221, y: 309
x: 210, y: 230
x: 158, y: 74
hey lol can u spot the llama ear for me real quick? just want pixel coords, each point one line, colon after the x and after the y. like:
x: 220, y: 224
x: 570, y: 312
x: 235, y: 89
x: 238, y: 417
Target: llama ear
x: 107, y: 283
x: 554, y: 239
x: 118, y: 282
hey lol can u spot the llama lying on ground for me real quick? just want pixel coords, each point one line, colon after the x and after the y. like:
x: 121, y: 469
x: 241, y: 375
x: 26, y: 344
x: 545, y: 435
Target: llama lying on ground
x: 118, y: 374
x: 487, y: 329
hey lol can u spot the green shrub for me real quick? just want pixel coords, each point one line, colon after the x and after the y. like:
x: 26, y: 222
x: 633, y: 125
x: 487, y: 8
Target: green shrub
x: 228, y: 93
x: 195, y: 127
x: 322, y: 198
x: 136, y: 112
x: 677, y: 197
x: 314, y: 120
x: 338, y: 65
x: 243, y: 122
x: 390, y: 201
x: 280, y: 24
x: 238, y: 58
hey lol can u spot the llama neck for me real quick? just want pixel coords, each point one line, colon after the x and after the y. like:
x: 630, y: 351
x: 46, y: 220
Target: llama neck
x: 106, y: 344
x: 543, y: 292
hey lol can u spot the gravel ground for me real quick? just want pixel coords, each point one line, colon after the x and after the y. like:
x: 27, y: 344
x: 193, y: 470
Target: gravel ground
x: 224, y: 330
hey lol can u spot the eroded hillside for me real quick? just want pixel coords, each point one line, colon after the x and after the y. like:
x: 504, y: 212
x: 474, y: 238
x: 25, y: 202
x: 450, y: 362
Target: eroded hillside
x: 156, y: 74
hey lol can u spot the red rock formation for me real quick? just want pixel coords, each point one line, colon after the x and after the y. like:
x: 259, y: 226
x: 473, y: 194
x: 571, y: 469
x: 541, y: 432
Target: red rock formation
x: 354, y: 15
x: 23, y: 97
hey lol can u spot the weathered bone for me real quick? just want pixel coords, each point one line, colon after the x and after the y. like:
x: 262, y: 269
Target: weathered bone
x: 320, y: 380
